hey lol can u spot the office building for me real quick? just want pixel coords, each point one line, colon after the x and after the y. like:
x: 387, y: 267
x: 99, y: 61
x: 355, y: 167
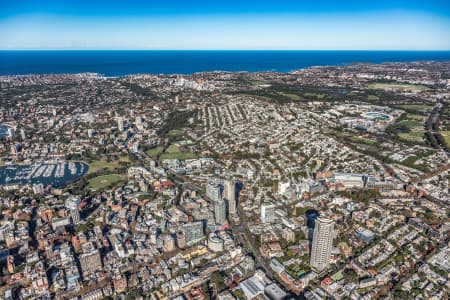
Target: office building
x: 220, y: 212
x: 322, y: 243
x: 365, y: 234
x: 275, y: 292
x: 193, y: 232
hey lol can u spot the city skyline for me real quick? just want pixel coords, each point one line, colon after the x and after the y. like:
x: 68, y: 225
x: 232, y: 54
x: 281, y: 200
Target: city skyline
x: 247, y: 25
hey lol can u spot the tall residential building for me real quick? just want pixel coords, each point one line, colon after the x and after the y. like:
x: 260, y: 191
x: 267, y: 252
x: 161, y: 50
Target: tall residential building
x: 120, y: 123
x: 283, y: 186
x: 267, y: 212
x: 22, y: 134
x: 220, y: 212
x: 72, y: 204
x: 322, y: 243
x: 193, y: 232
x: 213, y: 190
x: 139, y: 123
x: 229, y: 194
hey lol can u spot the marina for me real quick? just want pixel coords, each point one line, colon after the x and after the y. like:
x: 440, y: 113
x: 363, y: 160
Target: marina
x: 58, y: 173
x: 6, y: 131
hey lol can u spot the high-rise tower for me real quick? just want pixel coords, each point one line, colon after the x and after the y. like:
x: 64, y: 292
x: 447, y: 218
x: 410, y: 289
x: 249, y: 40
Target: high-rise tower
x: 267, y: 212
x: 120, y: 122
x: 214, y: 190
x: 72, y: 204
x: 220, y: 212
x: 230, y: 195
x: 322, y: 243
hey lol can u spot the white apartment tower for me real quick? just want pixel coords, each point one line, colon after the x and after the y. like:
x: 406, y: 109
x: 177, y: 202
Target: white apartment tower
x: 322, y: 243
x: 213, y: 190
x: 22, y: 134
x: 267, y: 212
x: 120, y: 122
x: 72, y: 204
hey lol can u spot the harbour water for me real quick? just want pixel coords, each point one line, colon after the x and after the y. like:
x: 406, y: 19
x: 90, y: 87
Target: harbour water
x: 58, y: 173
x: 4, y: 130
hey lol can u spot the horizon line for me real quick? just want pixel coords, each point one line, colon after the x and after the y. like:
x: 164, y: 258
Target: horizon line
x: 286, y: 50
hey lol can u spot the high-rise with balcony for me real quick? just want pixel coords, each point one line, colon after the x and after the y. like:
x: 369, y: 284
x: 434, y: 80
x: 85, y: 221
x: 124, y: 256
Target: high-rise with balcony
x: 72, y: 204
x: 322, y: 243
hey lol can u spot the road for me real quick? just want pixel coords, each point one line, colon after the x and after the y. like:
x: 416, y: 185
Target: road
x: 239, y: 231
x: 244, y: 237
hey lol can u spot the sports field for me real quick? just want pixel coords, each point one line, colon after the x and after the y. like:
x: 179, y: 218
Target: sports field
x: 101, y: 182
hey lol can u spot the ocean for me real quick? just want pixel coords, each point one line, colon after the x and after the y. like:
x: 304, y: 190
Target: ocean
x: 120, y: 63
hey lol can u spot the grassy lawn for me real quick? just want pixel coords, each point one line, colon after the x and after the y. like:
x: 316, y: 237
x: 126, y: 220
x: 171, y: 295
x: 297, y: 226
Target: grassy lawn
x: 418, y: 107
x: 395, y: 85
x: 172, y: 152
x: 373, y: 98
x: 414, y: 117
x: 265, y: 98
x: 175, y: 133
x: 446, y: 135
x: 412, y: 136
x: 98, y: 165
x: 315, y: 95
x: 414, y: 123
x: 362, y: 140
x: 290, y: 96
x: 410, y: 161
x: 257, y: 82
x: 411, y: 123
x: 101, y: 182
x: 154, y: 152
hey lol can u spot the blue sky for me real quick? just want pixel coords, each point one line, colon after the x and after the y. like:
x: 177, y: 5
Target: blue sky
x: 225, y: 24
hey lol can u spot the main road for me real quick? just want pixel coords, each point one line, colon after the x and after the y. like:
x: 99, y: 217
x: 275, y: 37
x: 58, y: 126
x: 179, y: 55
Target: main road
x: 244, y: 237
